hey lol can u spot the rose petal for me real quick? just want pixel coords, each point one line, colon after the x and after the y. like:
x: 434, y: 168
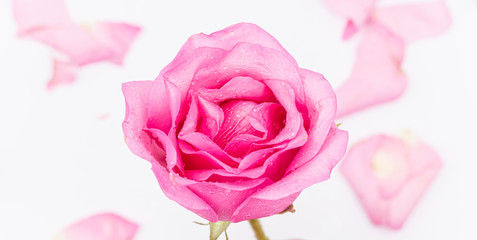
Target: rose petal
x: 255, y: 61
x: 321, y: 109
x: 376, y: 76
x: 225, y: 197
x: 236, y: 121
x: 239, y: 146
x: 280, y: 195
x: 244, y: 88
x: 48, y: 22
x: 358, y: 11
x: 116, y: 36
x: 181, y: 75
x: 412, y: 22
x: 268, y: 118
x: 199, y: 149
x: 106, y: 226
x: 64, y: 72
x: 403, y: 204
x: 33, y: 15
x: 212, y: 118
x: 173, y: 158
x: 226, y: 39
x: 389, y: 176
x: 139, y: 142
x: 294, y: 121
x: 182, y: 194
x: 350, y: 30
x: 75, y: 41
x: 270, y: 162
x: 164, y: 103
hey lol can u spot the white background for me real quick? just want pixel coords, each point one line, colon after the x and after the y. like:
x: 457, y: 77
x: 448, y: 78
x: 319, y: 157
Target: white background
x: 62, y: 154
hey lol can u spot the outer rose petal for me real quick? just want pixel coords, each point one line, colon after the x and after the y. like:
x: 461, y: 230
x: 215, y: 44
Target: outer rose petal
x: 282, y: 193
x: 413, y: 22
x: 376, y: 76
x: 321, y: 110
x: 106, y: 226
x: 256, y: 61
x: 226, y: 39
x: 369, y: 177
x: 224, y: 198
x: 139, y: 142
x: 182, y: 194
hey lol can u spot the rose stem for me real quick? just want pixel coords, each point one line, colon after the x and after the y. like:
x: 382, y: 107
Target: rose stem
x: 257, y: 228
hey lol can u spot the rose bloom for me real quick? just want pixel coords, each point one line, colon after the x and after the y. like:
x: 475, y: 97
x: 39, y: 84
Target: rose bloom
x: 233, y: 128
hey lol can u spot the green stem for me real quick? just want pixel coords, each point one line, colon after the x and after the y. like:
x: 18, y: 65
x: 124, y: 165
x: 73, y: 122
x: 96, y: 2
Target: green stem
x: 257, y: 228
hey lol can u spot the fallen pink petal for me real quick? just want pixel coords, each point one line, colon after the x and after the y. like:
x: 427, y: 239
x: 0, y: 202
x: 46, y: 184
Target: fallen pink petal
x: 358, y: 12
x: 413, y: 22
x: 376, y: 76
x: 49, y: 23
x: 105, y: 226
x: 390, y: 175
x: 64, y: 72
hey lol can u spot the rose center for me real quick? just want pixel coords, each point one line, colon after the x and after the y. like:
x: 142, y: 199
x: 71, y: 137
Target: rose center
x: 236, y: 122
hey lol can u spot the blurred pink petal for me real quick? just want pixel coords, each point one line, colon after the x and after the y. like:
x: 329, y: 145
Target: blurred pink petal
x: 350, y: 30
x: 106, y: 226
x: 412, y: 22
x: 389, y: 175
x: 376, y: 76
x: 64, y: 72
x: 117, y: 37
x: 48, y: 22
x: 35, y: 15
x: 357, y: 11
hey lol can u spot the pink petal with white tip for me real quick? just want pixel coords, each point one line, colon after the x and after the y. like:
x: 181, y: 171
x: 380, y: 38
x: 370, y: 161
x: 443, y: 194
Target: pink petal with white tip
x: 389, y: 175
x: 106, y: 226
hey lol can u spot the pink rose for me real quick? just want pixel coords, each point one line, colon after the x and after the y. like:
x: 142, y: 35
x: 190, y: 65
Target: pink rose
x: 233, y: 128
